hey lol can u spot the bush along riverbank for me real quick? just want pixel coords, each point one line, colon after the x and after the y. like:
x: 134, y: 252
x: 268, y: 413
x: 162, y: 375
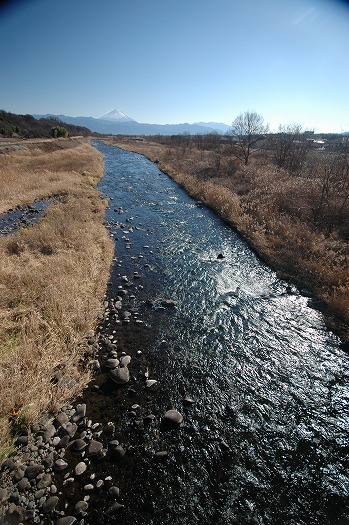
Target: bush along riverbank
x: 53, y: 277
x: 295, y: 219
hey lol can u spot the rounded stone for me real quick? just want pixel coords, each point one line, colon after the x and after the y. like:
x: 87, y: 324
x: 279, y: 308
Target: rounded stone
x: 49, y: 504
x: 112, y: 363
x: 172, y: 419
x: 44, y: 481
x: 120, y: 376
x: 94, y: 448
x: 79, y: 444
x: 81, y: 506
x: 80, y: 468
x: 66, y: 520
x: 114, y: 492
x: 125, y: 360
x: 60, y: 464
x: 150, y: 382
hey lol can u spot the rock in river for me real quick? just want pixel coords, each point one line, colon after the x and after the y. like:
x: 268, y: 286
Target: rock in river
x: 120, y: 376
x: 172, y: 419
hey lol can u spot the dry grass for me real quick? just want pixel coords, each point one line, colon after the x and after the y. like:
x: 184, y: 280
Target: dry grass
x: 52, y: 278
x: 274, y: 211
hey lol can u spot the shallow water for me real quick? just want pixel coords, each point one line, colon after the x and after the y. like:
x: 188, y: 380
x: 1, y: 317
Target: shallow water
x: 14, y: 219
x: 266, y: 441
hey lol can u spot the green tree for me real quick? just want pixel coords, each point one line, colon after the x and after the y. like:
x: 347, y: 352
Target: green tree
x: 59, y: 131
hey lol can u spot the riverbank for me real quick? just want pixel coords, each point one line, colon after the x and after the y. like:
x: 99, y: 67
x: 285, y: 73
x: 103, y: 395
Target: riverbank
x: 270, y: 210
x: 53, y: 277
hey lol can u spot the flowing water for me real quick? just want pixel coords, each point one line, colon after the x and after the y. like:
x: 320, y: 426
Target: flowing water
x: 266, y: 440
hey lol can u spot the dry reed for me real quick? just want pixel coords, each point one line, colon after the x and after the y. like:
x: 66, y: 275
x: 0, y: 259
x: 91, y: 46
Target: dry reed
x: 53, y: 277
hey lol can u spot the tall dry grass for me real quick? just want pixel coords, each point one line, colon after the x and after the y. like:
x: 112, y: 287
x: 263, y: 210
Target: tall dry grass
x: 53, y: 276
x: 274, y: 211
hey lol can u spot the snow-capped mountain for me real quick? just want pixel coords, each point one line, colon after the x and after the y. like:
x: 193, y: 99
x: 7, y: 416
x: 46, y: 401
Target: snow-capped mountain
x: 117, y: 116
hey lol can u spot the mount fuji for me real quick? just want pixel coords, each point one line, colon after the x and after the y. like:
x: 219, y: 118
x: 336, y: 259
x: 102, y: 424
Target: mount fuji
x: 116, y: 115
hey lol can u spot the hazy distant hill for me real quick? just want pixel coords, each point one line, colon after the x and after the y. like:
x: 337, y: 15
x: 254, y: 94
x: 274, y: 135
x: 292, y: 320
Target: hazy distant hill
x: 12, y: 124
x: 111, y: 124
x: 218, y: 126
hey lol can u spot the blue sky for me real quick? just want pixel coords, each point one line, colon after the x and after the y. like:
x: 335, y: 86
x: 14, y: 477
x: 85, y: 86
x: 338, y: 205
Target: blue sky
x: 163, y: 61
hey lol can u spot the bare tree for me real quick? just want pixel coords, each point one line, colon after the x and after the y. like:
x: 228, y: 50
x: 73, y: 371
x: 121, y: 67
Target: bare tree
x: 248, y: 129
x: 284, y: 143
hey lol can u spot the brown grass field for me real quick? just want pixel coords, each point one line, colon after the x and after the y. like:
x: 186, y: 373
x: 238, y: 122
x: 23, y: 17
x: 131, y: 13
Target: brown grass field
x: 278, y: 213
x: 53, y: 277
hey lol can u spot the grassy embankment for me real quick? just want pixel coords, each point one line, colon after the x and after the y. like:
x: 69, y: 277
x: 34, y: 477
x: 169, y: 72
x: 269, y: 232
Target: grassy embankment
x: 53, y: 275
x: 274, y: 210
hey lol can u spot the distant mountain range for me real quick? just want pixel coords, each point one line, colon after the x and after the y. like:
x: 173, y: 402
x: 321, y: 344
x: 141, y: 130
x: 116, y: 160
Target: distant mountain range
x: 116, y: 122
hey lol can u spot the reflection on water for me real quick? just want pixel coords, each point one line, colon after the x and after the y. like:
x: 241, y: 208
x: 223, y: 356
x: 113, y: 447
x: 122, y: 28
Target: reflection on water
x: 266, y: 441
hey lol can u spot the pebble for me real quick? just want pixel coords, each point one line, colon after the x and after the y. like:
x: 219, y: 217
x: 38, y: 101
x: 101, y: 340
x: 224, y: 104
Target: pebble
x: 120, y: 376
x: 66, y: 520
x: 44, y: 481
x: 114, y: 492
x: 60, y: 464
x: 172, y: 419
x: 111, y: 363
x: 3, y: 495
x: 94, y: 448
x: 81, y: 506
x: 49, y: 504
x: 79, y: 444
x: 150, y: 382
x: 80, y: 468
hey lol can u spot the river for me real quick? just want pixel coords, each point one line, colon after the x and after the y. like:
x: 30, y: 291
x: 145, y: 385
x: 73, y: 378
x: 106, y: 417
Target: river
x: 265, y: 439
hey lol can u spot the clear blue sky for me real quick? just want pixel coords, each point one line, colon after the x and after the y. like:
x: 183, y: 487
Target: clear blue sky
x: 164, y: 61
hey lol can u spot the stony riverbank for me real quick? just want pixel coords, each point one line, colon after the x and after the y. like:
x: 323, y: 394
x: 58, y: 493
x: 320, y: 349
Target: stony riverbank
x: 55, y: 474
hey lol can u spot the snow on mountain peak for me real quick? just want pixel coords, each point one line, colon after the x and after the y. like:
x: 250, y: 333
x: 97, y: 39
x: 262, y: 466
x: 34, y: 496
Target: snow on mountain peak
x: 116, y: 115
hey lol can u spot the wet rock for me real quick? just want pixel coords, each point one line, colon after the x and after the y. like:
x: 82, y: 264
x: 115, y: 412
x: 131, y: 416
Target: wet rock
x: 114, y: 492
x: 49, y: 504
x: 111, y: 363
x: 79, y: 413
x: 66, y: 520
x: 70, y: 429
x: 3, y: 496
x: 150, y: 383
x: 120, y: 376
x: 169, y: 303
x: 188, y: 401
x: 22, y: 440
x: 44, y: 481
x: 78, y: 445
x: 8, y: 464
x: 23, y: 485
x: 89, y: 487
x: 125, y: 360
x: 18, y: 475
x: 33, y: 471
x: 119, y: 452
x: 80, y: 468
x: 63, y: 442
x: 172, y: 419
x: 62, y: 419
x: 114, y: 509
x: 109, y: 428
x: 81, y: 507
x: 49, y: 431
x: 94, y: 448
x: 162, y: 455
x: 60, y: 465
x: 16, y: 513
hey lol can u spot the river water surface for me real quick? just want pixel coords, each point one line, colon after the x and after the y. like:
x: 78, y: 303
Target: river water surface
x: 266, y: 440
